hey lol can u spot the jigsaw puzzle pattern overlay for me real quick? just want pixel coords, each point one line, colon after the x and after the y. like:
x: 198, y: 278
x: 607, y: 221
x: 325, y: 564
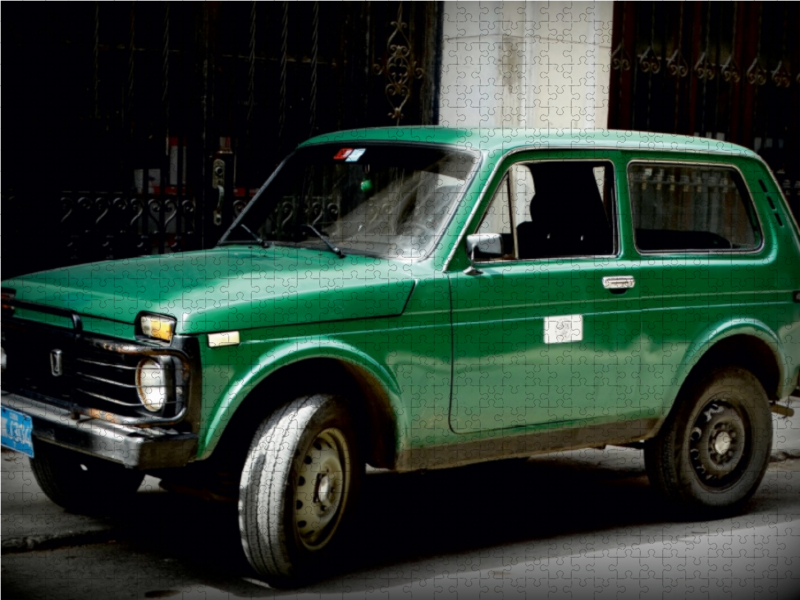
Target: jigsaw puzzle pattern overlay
x: 415, y: 298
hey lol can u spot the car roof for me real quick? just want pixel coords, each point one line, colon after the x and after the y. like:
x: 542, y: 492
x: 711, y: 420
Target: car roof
x: 505, y: 139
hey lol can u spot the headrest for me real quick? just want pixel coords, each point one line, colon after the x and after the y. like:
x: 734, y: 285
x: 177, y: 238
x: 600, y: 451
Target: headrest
x: 566, y: 189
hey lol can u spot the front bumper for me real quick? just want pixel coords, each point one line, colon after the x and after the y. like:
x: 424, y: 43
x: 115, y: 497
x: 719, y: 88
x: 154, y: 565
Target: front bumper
x: 134, y: 447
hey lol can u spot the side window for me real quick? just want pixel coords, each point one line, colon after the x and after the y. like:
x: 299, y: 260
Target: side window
x: 553, y: 209
x: 691, y: 207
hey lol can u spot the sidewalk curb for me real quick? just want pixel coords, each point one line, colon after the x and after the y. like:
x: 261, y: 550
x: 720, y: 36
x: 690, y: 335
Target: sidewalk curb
x: 31, y: 543
x: 792, y: 402
x: 782, y: 455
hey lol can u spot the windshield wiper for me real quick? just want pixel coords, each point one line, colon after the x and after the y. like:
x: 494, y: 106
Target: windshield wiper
x: 330, y: 246
x: 262, y: 242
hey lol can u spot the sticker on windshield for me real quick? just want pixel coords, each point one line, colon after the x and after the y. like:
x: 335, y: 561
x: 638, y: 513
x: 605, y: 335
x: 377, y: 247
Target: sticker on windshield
x: 349, y: 154
x: 355, y: 155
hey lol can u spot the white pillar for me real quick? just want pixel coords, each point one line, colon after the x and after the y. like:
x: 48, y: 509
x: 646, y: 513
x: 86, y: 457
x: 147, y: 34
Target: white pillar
x: 526, y: 64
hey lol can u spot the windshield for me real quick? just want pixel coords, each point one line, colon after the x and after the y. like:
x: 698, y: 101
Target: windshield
x: 387, y: 200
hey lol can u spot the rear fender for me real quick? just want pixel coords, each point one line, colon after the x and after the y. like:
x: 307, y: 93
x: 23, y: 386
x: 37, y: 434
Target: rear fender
x: 713, y: 336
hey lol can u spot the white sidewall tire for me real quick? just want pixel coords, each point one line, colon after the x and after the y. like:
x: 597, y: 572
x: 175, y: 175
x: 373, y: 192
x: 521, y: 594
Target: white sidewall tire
x: 268, y: 494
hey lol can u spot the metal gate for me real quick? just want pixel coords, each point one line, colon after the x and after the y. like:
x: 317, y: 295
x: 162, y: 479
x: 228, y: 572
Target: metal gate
x: 146, y: 127
x: 722, y: 70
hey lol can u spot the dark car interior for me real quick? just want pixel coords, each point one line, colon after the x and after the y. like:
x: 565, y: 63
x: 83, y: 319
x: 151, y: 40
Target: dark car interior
x: 567, y: 213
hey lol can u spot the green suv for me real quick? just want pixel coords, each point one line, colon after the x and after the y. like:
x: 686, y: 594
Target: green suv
x: 421, y: 298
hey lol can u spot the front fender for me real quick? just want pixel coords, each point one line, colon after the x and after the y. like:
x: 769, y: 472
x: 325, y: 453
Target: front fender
x: 290, y: 353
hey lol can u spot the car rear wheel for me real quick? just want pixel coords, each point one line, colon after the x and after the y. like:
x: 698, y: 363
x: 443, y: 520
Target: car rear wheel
x: 713, y: 450
x: 81, y: 483
x: 298, y: 489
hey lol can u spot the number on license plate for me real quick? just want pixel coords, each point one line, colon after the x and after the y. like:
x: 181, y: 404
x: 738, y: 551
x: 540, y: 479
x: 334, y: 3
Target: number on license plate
x: 17, y: 430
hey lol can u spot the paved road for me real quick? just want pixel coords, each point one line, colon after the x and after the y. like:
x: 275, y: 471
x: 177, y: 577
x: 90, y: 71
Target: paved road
x: 583, y: 524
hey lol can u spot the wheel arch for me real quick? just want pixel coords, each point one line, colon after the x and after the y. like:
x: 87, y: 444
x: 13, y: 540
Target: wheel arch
x: 752, y: 346
x: 749, y: 352
x: 371, y: 392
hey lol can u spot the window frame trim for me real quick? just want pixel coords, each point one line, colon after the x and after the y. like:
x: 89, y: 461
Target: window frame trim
x: 615, y: 221
x: 693, y: 252
x: 505, y: 182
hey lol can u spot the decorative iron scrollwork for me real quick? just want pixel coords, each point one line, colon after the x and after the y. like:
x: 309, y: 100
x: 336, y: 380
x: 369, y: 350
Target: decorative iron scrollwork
x: 112, y: 225
x: 677, y: 65
x: 238, y: 205
x: 399, y: 67
x: 620, y: 61
x: 649, y: 62
x: 162, y: 206
x: 730, y: 71
x: 287, y: 212
x: 781, y: 76
x: 136, y: 208
x: 67, y: 206
x: 704, y: 68
x: 756, y: 74
x: 314, y: 213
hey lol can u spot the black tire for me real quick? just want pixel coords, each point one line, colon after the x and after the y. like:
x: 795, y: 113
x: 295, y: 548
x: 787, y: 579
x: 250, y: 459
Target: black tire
x: 81, y: 483
x: 713, y: 449
x: 289, y: 536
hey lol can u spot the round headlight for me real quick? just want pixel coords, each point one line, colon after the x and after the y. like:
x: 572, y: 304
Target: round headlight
x: 151, y: 384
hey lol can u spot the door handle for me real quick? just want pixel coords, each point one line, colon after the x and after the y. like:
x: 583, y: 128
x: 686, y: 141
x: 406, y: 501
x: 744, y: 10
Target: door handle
x: 619, y: 282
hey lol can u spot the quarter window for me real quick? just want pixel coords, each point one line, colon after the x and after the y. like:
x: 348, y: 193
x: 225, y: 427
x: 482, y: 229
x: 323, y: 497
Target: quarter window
x: 691, y: 208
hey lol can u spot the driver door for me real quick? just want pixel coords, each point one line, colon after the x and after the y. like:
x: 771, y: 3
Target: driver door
x: 546, y: 333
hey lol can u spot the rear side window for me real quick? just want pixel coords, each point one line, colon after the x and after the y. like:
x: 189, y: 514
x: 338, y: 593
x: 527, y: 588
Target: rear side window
x: 682, y: 207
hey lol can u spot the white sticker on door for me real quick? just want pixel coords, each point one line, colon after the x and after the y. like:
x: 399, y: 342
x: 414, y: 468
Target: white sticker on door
x: 566, y: 328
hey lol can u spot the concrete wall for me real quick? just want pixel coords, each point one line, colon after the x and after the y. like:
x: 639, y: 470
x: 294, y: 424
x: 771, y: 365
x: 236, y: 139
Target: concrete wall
x: 526, y: 64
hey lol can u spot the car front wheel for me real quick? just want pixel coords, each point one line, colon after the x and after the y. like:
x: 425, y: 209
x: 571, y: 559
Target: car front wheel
x: 82, y: 483
x: 713, y: 449
x: 297, y: 490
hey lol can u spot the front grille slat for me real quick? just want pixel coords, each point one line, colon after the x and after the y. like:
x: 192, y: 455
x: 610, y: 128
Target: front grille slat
x: 106, y: 398
x: 105, y: 364
x: 108, y: 381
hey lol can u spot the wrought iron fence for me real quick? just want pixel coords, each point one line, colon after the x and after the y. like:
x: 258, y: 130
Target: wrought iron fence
x: 727, y: 71
x: 136, y: 105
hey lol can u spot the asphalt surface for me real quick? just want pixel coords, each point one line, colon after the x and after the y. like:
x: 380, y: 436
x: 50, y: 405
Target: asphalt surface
x: 581, y: 524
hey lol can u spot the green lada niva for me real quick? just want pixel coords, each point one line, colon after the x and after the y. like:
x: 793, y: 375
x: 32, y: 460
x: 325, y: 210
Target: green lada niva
x: 421, y: 298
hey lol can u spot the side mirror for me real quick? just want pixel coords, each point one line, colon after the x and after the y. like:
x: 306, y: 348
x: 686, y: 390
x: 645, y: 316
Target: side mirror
x: 488, y: 244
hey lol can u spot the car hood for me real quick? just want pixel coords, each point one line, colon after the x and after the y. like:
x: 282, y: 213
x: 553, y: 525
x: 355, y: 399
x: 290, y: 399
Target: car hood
x: 227, y: 288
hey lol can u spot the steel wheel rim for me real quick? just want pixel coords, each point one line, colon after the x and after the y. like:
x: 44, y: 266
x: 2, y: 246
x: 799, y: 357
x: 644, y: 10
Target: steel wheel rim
x: 717, y: 443
x: 322, y: 486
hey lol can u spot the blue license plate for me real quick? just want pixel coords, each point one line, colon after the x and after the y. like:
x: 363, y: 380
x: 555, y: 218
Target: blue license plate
x: 17, y: 429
